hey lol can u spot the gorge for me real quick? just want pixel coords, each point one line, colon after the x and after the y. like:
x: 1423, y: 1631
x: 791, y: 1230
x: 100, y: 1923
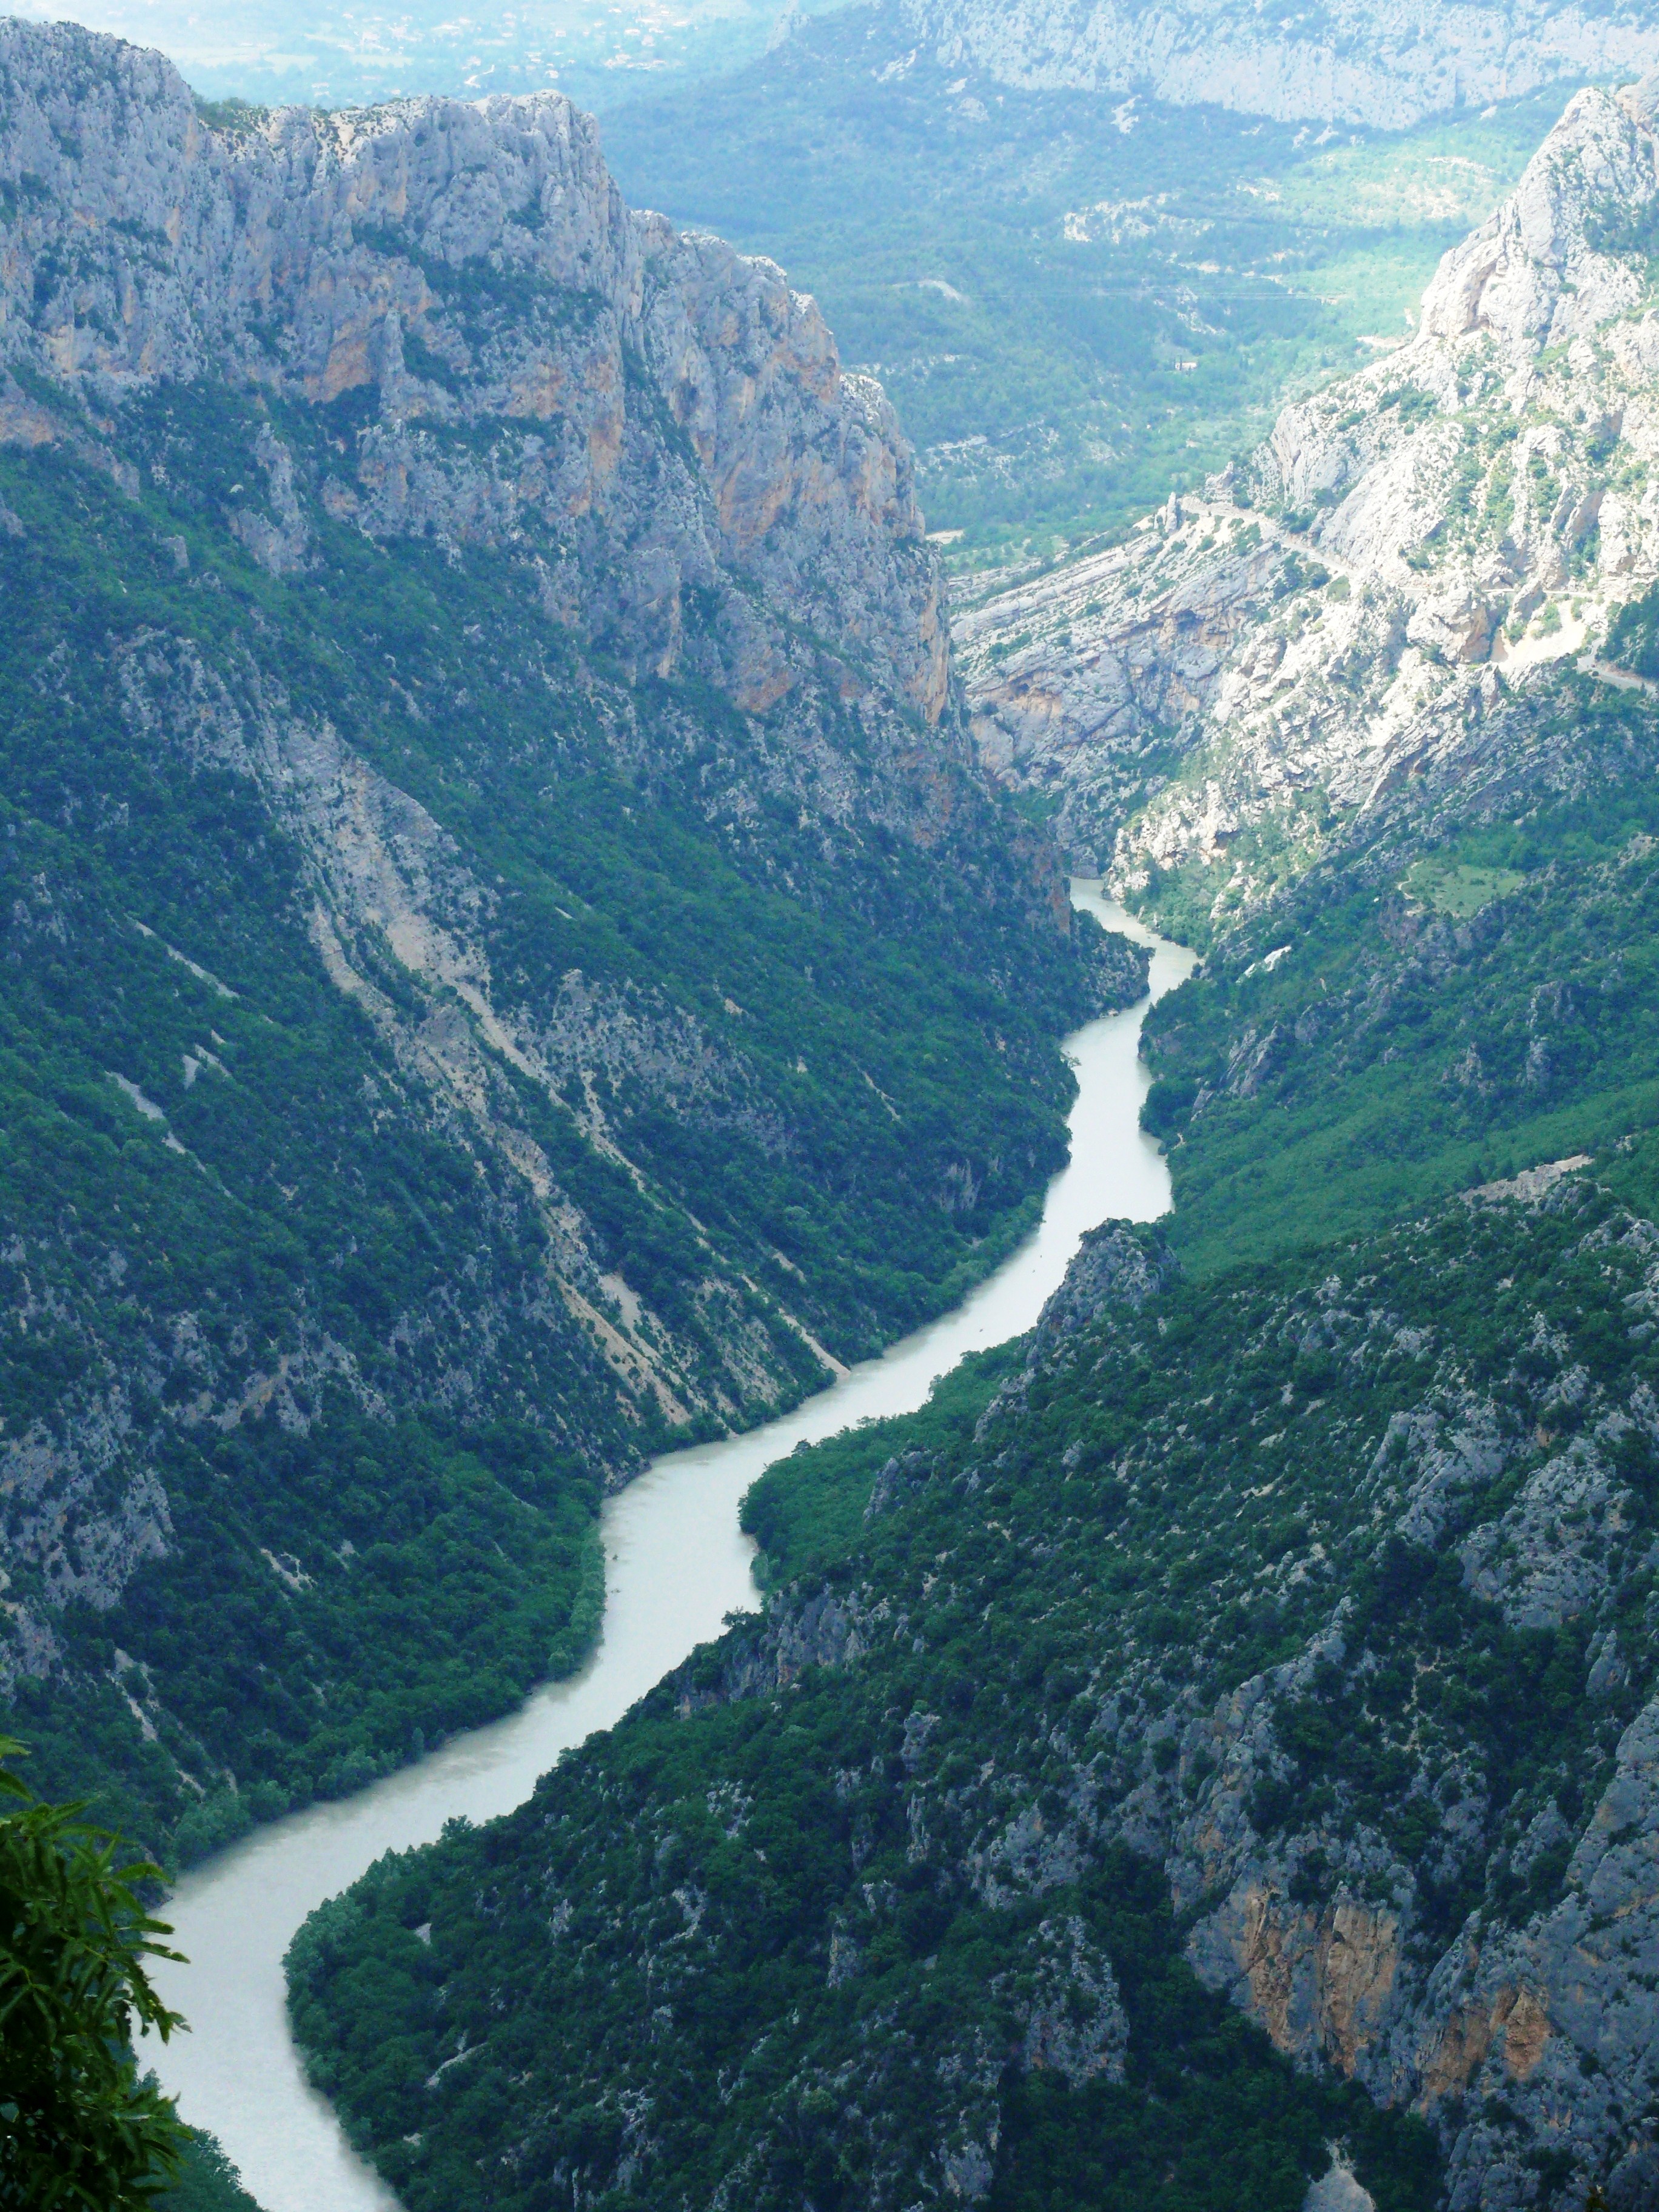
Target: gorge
x: 676, y: 1566
x: 492, y: 851
x: 572, y: 1456
x: 1274, y: 1643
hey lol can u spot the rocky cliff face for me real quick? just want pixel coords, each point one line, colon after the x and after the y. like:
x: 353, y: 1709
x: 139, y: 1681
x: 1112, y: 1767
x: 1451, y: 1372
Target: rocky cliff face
x: 1399, y: 559
x: 1387, y: 66
x: 668, y: 412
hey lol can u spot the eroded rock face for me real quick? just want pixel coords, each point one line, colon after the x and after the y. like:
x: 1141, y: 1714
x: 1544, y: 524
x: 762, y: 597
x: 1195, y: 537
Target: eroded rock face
x: 676, y: 412
x: 1388, y: 65
x: 1328, y: 1947
x: 1401, y: 556
x: 1520, y: 2030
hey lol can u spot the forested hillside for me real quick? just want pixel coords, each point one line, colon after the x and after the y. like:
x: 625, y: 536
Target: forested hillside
x: 1469, y: 992
x: 1282, y: 1638
x: 508, y: 963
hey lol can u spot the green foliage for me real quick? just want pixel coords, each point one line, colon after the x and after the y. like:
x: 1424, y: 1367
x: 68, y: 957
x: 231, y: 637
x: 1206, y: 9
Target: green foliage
x: 823, y: 1884
x: 1634, y: 634
x: 807, y: 1511
x: 206, y: 2180
x: 1026, y: 279
x: 231, y: 117
x: 1454, y: 888
x: 1486, y: 1006
x: 78, y: 2130
x: 251, y: 1265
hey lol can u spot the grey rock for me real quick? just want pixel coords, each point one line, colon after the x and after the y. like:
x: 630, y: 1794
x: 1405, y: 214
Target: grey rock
x: 317, y: 255
x: 1345, y: 614
x: 1067, y: 2000
x: 1120, y: 1263
x: 1338, y: 2191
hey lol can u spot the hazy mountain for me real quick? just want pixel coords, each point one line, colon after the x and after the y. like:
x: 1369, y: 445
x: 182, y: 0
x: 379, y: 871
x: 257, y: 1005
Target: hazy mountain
x: 1388, y: 66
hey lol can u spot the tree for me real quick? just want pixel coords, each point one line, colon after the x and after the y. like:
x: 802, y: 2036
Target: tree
x: 79, y: 2132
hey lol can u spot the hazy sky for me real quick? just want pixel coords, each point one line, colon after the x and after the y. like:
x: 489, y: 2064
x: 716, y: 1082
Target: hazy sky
x: 269, y: 50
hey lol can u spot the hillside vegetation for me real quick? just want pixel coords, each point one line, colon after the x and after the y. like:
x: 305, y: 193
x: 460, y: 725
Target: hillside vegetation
x: 508, y: 965
x: 1215, y: 1744
x: 1231, y: 1652
x: 1076, y: 301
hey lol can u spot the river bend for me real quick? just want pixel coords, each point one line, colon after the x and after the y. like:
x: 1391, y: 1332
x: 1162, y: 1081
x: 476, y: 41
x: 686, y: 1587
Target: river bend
x: 675, y: 1565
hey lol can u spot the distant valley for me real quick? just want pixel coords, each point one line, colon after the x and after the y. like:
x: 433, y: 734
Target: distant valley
x: 1076, y: 299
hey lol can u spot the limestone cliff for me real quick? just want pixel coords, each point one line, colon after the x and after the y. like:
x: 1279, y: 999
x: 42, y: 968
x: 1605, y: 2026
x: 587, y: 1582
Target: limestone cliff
x: 1406, y: 551
x: 664, y: 408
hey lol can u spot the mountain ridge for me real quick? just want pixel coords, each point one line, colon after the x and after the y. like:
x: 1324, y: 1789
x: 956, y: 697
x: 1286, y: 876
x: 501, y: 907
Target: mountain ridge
x: 1386, y: 67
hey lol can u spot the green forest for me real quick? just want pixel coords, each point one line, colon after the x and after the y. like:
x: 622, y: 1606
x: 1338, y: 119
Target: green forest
x: 1434, y: 1022
x: 795, y: 1914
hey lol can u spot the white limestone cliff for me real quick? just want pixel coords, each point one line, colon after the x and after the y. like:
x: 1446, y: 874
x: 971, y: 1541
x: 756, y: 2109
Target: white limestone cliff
x: 669, y: 410
x: 1407, y: 549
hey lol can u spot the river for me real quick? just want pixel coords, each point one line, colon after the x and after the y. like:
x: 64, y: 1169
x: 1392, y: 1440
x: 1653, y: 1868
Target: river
x: 675, y: 1565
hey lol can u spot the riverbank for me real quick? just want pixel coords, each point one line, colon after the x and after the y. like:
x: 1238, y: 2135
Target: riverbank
x: 675, y: 1564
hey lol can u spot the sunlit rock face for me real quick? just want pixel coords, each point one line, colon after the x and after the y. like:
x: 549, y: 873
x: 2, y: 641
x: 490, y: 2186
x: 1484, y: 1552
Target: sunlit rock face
x: 1394, y: 566
x: 671, y: 410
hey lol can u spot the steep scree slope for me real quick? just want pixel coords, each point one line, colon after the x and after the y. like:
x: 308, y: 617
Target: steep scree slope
x: 507, y: 962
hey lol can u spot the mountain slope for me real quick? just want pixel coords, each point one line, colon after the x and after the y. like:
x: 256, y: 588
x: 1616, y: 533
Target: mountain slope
x: 1351, y: 721
x: 1409, y: 551
x: 1075, y: 301
x: 496, y: 886
x: 1288, y: 1637
x: 1386, y: 66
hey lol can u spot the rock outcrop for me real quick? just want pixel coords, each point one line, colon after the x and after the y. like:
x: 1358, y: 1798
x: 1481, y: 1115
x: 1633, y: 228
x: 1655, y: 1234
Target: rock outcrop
x: 1387, y: 66
x: 667, y: 410
x: 1399, y: 559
